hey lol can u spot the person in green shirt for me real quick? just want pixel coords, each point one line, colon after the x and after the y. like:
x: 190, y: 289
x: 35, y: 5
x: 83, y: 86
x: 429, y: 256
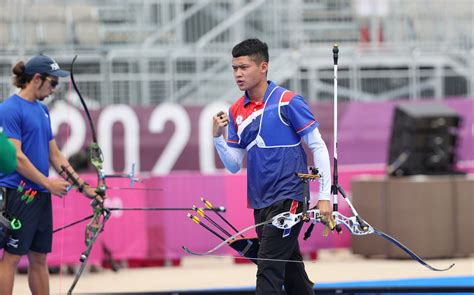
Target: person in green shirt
x: 7, y: 155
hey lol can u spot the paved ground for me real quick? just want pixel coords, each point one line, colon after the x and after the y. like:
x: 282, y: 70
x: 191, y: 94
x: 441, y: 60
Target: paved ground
x: 204, y: 273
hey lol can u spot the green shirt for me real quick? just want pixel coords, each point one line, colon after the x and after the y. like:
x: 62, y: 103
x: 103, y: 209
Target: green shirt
x: 7, y: 155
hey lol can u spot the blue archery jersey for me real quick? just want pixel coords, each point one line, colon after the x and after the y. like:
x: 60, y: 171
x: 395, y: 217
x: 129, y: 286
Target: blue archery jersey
x: 28, y: 122
x: 271, y: 132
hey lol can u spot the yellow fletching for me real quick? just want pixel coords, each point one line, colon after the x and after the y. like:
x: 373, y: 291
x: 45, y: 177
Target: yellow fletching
x: 200, y: 212
x: 194, y: 218
x: 207, y: 203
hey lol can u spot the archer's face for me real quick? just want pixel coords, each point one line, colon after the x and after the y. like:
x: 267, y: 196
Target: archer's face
x: 247, y: 73
x: 44, y: 87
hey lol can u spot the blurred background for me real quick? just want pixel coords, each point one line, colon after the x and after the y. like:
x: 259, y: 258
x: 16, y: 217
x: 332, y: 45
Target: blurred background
x: 145, y: 52
x: 155, y: 71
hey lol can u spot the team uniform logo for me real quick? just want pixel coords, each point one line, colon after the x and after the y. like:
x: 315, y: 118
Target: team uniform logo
x: 54, y: 65
x: 239, y: 119
x: 13, y: 242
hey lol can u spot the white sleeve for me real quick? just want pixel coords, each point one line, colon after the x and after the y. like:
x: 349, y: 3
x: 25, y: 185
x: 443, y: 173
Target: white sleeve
x: 321, y: 161
x: 232, y: 158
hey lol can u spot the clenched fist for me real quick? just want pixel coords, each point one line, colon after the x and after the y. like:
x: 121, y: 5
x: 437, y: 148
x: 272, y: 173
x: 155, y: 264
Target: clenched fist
x: 220, y: 120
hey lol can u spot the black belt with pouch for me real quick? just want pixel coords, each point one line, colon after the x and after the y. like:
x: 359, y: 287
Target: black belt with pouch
x: 5, y: 220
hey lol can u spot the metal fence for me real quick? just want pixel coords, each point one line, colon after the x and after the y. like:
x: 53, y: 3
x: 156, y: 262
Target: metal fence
x: 144, y: 52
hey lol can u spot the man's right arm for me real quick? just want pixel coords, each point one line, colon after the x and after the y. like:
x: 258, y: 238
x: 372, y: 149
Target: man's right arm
x: 232, y: 158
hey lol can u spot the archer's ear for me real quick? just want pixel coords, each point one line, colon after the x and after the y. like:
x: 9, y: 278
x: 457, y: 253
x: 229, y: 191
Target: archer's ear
x: 36, y: 78
x: 264, y: 67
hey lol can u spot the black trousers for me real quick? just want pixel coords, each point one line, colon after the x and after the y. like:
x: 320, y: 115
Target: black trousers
x: 273, y: 275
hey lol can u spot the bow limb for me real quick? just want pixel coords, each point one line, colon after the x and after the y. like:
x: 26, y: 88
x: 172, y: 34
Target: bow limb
x: 228, y: 240
x: 100, y: 215
x: 410, y: 252
x: 356, y: 228
x: 95, y: 153
x: 83, y: 102
x: 85, y: 255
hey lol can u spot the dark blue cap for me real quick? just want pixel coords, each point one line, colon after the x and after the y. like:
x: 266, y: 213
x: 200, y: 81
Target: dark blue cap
x: 42, y: 64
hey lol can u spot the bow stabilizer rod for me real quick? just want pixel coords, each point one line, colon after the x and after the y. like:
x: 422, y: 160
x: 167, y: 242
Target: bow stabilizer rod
x: 356, y: 224
x: 335, y: 187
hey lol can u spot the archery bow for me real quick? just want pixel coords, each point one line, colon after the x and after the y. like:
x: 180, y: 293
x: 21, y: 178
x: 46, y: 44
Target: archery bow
x: 100, y: 214
x: 287, y: 220
x: 353, y: 224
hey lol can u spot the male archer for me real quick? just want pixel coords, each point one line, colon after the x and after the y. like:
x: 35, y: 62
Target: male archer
x: 269, y: 122
x: 26, y: 122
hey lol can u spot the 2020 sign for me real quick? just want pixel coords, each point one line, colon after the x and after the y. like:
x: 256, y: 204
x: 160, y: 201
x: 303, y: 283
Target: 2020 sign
x: 157, y: 139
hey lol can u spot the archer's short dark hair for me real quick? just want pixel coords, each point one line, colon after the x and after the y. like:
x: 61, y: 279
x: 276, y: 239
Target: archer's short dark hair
x: 254, y: 48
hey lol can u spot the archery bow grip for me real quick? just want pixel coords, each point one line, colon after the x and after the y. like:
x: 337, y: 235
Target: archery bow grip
x: 96, y: 203
x: 101, y: 192
x: 362, y: 224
